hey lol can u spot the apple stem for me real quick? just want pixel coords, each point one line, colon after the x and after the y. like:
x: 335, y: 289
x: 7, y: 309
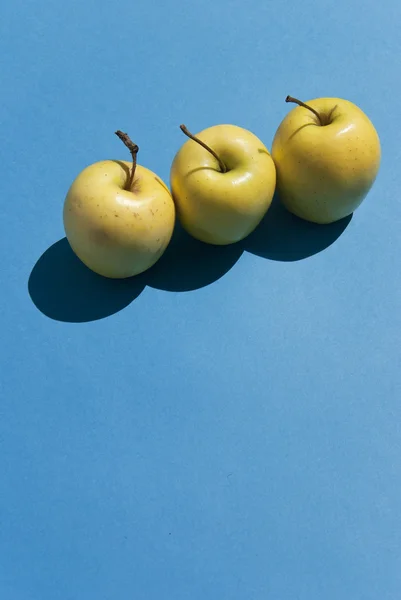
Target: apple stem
x: 133, y: 148
x: 291, y: 99
x: 222, y: 166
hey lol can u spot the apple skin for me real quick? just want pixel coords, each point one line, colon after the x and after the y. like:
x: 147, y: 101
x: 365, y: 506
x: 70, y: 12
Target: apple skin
x: 325, y: 172
x: 222, y: 208
x: 115, y: 232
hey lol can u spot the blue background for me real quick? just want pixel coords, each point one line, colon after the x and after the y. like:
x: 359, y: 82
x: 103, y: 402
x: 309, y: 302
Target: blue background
x: 222, y: 430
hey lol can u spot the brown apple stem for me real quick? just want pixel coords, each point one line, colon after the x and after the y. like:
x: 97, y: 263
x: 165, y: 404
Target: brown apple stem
x: 222, y: 166
x: 133, y: 148
x: 291, y: 99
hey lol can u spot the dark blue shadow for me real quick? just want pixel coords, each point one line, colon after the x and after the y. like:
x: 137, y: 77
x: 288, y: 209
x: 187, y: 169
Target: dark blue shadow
x: 282, y: 236
x: 64, y: 289
x: 189, y: 264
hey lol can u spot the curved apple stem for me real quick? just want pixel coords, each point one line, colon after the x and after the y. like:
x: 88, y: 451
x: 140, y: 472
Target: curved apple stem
x: 133, y: 148
x: 296, y: 101
x: 222, y: 166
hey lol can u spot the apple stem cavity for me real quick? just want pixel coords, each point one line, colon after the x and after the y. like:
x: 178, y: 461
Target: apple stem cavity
x: 222, y: 166
x: 133, y: 148
x: 300, y: 103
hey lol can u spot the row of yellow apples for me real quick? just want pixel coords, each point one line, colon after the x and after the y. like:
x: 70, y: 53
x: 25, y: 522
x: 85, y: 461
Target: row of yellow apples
x: 119, y: 216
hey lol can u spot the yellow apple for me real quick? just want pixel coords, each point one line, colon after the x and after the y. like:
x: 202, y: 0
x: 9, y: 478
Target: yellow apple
x: 222, y: 182
x: 327, y: 156
x: 118, y: 217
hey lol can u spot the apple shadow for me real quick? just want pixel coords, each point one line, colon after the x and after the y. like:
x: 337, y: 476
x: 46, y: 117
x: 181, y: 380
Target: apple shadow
x: 64, y: 289
x: 189, y: 264
x: 282, y: 236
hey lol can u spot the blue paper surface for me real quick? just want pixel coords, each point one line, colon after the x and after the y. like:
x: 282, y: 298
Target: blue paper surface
x: 226, y: 426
